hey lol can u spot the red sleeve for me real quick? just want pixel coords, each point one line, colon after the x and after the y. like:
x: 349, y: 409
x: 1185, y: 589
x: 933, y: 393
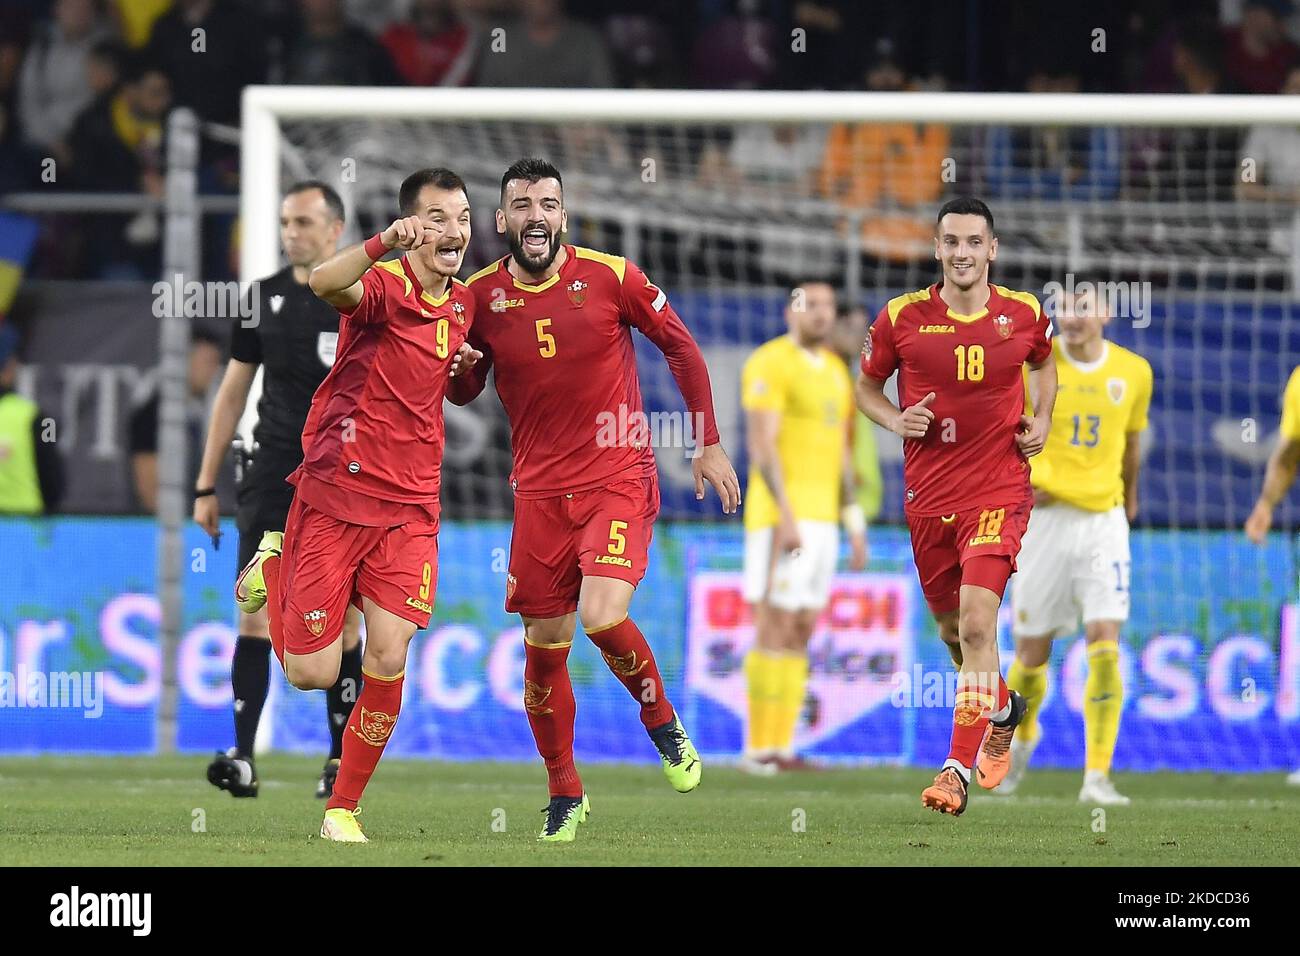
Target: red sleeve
x: 879, y: 353
x: 1040, y: 341
x: 371, y: 307
x: 645, y: 306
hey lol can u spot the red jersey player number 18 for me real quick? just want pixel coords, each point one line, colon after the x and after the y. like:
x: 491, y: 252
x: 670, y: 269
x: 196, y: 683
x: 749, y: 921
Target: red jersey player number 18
x: 960, y: 348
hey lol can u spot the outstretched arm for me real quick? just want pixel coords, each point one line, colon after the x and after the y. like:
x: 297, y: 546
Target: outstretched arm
x: 337, y: 280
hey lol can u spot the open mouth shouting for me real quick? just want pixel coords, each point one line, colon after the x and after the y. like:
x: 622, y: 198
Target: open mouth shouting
x: 448, y: 255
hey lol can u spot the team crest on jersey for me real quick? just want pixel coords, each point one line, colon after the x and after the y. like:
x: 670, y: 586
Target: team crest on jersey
x: 577, y: 290
x: 1115, y: 389
x: 866, y: 347
x: 1003, y: 324
x: 276, y: 302
x: 315, y: 621
x: 458, y: 309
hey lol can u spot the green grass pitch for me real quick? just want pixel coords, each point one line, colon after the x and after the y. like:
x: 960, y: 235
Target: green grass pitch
x: 162, y: 811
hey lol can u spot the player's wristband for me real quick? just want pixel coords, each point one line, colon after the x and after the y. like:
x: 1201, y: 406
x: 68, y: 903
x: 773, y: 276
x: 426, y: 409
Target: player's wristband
x: 375, y: 247
x: 203, y: 492
x: 854, y: 519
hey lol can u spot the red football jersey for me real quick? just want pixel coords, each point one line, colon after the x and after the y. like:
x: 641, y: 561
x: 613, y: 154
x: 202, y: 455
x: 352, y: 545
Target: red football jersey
x: 974, y: 365
x: 566, y: 369
x: 372, y: 445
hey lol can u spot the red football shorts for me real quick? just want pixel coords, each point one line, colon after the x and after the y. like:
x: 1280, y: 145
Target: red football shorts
x: 942, y: 546
x: 328, y: 563
x: 557, y: 541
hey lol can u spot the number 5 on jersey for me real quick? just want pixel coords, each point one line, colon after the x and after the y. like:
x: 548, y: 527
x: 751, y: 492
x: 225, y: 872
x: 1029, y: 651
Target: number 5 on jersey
x: 545, y: 340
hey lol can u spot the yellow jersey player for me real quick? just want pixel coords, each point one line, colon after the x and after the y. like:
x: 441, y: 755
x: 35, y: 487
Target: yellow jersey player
x: 798, y: 401
x: 1075, y: 559
x: 1279, y: 477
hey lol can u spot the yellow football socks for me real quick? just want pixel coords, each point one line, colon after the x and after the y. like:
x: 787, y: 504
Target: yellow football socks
x: 761, y: 672
x: 1031, y: 684
x: 1103, y: 700
x: 793, y: 684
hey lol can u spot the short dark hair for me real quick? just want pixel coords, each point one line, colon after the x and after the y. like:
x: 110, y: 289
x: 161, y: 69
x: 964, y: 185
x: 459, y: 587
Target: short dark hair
x: 966, y: 206
x: 328, y: 192
x: 441, y: 177
x: 530, y: 169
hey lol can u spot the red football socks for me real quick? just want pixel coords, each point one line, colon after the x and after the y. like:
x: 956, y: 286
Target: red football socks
x: 549, y: 703
x: 628, y: 655
x: 970, y: 719
x: 367, y: 733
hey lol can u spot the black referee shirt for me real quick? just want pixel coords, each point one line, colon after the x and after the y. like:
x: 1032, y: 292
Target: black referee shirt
x: 294, y: 342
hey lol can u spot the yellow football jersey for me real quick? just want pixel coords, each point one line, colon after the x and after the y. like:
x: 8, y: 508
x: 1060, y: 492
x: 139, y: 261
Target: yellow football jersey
x: 1097, y: 405
x: 1291, y: 407
x: 814, y: 395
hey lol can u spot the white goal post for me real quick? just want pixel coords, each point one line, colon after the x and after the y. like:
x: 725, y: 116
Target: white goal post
x: 265, y: 106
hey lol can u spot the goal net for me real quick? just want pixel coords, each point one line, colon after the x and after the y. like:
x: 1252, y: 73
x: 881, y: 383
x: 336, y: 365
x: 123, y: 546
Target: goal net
x: 1174, y: 213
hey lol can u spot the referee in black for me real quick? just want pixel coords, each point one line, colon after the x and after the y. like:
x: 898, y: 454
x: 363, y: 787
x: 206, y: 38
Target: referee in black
x: 293, y: 339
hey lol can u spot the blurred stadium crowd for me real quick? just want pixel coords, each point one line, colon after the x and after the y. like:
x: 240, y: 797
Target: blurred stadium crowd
x: 89, y: 84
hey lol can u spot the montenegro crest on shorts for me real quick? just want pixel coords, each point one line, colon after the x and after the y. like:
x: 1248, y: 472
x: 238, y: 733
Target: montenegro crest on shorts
x: 1003, y: 324
x: 577, y: 290
x: 458, y: 310
x: 315, y: 621
x: 1115, y: 389
x: 374, y: 727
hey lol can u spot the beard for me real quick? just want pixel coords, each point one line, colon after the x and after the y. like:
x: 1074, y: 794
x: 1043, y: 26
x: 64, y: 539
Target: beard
x: 532, y: 264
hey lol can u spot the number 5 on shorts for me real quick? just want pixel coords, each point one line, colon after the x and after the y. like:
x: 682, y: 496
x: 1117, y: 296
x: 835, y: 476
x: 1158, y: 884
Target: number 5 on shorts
x: 617, y: 543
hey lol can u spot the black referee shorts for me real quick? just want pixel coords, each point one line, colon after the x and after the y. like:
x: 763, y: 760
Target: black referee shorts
x: 264, y: 498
